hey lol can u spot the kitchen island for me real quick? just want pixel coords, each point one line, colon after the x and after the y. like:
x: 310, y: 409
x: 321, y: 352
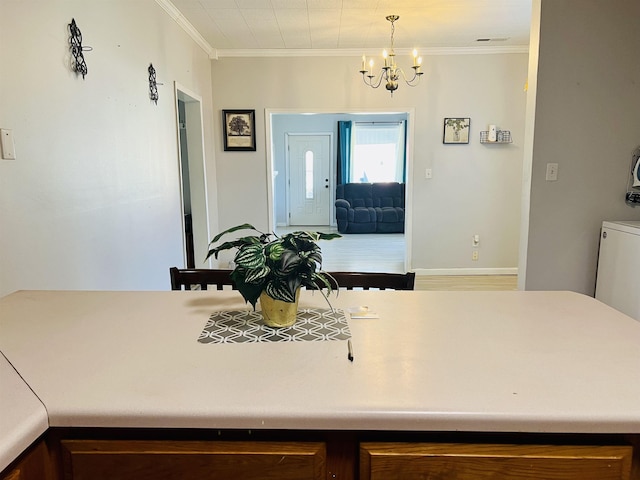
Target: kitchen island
x: 484, y: 364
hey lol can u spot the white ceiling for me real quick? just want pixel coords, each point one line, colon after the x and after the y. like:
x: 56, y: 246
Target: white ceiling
x: 258, y: 25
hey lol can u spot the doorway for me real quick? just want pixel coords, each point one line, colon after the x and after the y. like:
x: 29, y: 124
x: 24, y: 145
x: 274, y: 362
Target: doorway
x: 279, y: 122
x: 309, y: 179
x: 193, y: 189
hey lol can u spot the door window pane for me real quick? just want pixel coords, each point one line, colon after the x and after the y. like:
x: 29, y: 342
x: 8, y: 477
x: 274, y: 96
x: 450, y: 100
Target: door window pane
x: 308, y: 174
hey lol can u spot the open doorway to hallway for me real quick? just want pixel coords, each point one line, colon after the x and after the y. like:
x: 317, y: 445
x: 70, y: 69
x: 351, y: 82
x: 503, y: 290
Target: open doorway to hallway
x: 291, y: 186
x: 193, y: 189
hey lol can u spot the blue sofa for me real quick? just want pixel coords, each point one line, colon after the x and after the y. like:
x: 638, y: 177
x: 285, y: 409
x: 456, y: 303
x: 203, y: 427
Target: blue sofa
x: 370, y: 207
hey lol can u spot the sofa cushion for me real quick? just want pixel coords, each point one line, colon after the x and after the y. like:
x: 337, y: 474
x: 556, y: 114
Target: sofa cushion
x: 387, y: 194
x: 389, y: 214
x: 358, y: 194
x: 363, y: 215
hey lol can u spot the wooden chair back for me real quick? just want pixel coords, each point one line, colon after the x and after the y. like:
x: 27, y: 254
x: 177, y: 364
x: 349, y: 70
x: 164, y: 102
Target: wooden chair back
x: 183, y: 279
x: 380, y: 281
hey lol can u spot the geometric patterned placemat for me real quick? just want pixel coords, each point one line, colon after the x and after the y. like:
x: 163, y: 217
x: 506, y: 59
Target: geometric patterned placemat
x: 246, y: 326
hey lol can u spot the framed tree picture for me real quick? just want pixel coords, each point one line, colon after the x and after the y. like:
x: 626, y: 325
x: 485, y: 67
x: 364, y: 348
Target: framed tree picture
x: 456, y: 130
x: 239, y: 130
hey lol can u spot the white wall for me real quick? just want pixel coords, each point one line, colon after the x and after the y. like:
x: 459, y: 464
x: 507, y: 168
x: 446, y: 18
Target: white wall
x: 587, y: 120
x: 475, y: 188
x: 92, y: 200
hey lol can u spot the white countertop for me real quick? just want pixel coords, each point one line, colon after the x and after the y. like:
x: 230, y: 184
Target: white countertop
x: 468, y: 361
x: 23, y: 418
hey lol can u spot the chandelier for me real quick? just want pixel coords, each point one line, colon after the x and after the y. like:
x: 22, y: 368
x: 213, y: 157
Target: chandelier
x: 391, y: 73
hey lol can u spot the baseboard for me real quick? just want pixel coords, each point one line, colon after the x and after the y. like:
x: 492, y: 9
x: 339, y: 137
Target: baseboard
x: 466, y: 271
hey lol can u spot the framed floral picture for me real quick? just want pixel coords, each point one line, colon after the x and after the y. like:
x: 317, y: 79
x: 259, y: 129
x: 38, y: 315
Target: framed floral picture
x: 456, y: 130
x: 239, y: 130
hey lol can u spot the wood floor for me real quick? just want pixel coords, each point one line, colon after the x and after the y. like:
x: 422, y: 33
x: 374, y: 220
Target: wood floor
x: 467, y: 282
x: 385, y: 253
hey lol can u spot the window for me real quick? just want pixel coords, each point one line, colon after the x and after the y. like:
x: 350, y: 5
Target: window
x: 378, y: 153
x: 308, y: 174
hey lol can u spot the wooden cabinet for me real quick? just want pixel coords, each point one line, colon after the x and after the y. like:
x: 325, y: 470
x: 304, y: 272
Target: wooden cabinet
x: 146, y: 454
x: 33, y: 464
x: 459, y: 461
x: 186, y: 460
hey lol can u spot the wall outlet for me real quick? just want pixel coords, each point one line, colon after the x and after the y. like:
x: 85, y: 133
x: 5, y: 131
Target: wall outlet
x: 474, y: 255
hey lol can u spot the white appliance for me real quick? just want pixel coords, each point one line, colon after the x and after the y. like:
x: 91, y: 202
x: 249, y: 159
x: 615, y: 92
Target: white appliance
x: 618, y: 283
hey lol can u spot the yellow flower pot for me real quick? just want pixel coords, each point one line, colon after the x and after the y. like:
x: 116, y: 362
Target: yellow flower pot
x: 277, y: 313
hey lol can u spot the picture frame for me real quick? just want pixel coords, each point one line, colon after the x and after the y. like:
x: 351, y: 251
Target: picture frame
x: 456, y: 130
x: 239, y: 130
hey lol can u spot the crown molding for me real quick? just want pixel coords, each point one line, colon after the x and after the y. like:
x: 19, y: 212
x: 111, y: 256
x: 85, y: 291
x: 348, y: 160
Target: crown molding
x: 352, y: 52
x: 186, y: 25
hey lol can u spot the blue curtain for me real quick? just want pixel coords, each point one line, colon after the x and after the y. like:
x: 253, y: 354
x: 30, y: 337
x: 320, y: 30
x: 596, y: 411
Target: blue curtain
x: 404, y: 154
x: 344, y: 152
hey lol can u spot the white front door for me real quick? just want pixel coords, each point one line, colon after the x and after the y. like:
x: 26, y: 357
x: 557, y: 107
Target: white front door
x: 310, y: 182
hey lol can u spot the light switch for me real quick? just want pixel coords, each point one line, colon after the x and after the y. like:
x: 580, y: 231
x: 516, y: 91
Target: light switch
x: 552, y: 172
x: 6, y: 140
x: 428, y: 173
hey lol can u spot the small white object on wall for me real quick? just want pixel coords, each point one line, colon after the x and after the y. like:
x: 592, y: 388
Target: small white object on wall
x: 8, y: 148
x: 493, y: 133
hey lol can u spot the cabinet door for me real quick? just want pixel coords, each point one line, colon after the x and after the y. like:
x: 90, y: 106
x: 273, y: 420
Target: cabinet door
x: 408, y: 461
x: 191, y: 460
x: 34, y: 464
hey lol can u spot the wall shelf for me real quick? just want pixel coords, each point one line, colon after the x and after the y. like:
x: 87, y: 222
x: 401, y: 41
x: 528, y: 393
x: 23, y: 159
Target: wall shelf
x: 502, y: 136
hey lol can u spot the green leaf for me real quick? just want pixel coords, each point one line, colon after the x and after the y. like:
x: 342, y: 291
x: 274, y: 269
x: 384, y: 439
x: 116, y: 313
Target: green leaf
x: 315, y: 257
x: 280, y: 291
x: 289, y: 261
x: 251, y: 256
x: 328, y: 236
x: 225, y: 246
x: 329, y: 280
x: 244, y: 226
x: 249, y: 291
x: 275, y: 250
x: 255, y: 275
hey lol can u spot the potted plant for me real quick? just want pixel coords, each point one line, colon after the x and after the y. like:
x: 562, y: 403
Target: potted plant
x: 273, y: 269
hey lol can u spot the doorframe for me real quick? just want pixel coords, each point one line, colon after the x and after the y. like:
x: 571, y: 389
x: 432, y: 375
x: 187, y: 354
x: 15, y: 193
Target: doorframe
x: 196, y: 157
x: 332, y: 188
x: 409, y: 111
